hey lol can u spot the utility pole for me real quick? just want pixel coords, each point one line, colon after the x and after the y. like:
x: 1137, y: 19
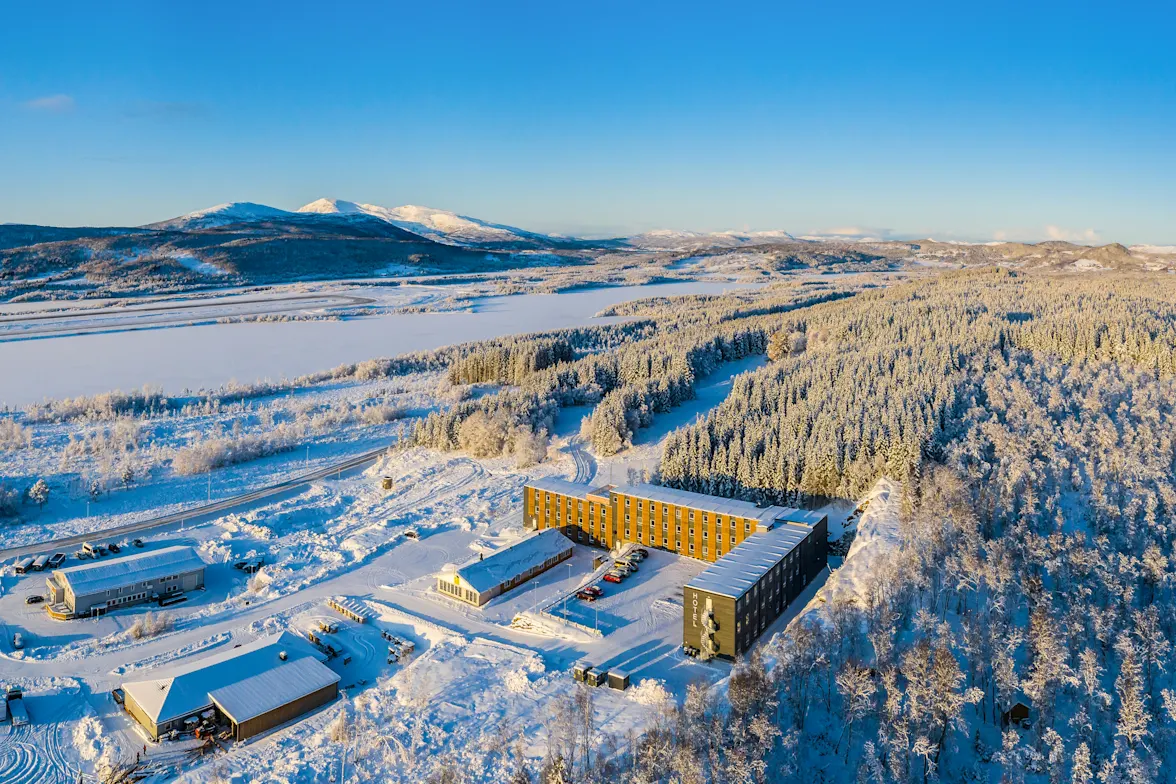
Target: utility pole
x: 308, y: 455
x: 210, y: 487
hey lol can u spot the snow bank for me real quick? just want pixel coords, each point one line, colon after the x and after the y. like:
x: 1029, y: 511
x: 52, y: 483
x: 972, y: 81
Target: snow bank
x: 877, y: 537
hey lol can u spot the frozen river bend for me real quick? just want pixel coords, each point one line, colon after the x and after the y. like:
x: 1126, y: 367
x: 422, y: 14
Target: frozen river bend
x: 206, y: 355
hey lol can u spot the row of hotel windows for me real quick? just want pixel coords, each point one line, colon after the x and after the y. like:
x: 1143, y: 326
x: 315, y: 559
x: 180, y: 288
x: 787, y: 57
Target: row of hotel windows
x: 665, y: 513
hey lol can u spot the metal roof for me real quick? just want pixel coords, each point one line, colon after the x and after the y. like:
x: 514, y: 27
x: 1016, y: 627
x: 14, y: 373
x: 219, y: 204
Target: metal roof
x: 284, y: 683
x: 737, y: 571
x: 88, y: 579
x: 233, y: 678
x: 513, y: 560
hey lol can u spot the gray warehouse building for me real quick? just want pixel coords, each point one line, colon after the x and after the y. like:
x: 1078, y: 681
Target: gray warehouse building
x: 94, y: 588
x: 728, y: 606
x: 251, y: 689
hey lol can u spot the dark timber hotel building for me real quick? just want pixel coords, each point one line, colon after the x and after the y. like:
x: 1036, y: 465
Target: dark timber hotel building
x: 762, y: 556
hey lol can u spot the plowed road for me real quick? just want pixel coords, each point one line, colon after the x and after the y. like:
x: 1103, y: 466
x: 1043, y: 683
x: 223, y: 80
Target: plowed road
x: 195, y: 513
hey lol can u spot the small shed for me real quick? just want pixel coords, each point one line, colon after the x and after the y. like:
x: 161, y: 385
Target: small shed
x: 596, y: 677
x: 1017, y: 715
x: 580, y: 670
x: 618, y: 679
x: 387, y: 482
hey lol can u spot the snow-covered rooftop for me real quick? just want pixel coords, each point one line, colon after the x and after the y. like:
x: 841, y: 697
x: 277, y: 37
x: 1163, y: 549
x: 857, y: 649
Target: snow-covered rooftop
x: 767, y: 515
x: 735, y: 573
x: 245, y: 682
x: 706, y: 503
x: 562, y: 486
x: 268, y: 689
x: 87, y: 579
x: 514, y: 559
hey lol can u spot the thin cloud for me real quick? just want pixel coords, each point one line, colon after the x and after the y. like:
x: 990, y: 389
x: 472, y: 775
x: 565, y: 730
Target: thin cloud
x: 1071, y: 235
x: 51, y: 103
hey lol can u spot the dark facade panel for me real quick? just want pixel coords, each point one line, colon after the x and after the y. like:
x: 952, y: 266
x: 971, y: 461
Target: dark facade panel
x: 285, y: 713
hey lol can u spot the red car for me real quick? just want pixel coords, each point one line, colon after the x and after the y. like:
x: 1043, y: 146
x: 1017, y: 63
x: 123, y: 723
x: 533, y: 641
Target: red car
x: 611, y: 578
x: 585, y: 596
x: 595, y: 590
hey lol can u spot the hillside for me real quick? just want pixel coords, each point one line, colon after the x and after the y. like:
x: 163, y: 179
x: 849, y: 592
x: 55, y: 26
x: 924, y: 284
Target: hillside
x: 247, y: 243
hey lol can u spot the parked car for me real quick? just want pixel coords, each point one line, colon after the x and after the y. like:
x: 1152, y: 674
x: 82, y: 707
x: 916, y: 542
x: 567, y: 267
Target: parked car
x: 114, y: 548
x: 595, y: 590
x: 643, y: 551
x: 612, y: 578
x: 103, y: 550
x: 17, y: 642
x: 626, y: 564
x: 585, y: 596
x: 137, y: 542
x: 34, y: 599
x: 412, y: 533
x: 57, y: 560
x: 82, y: 555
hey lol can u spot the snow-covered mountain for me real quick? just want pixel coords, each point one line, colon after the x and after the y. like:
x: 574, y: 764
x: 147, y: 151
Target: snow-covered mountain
x: 669, y: 239
x: 438, y: 225
x: 222, y: 215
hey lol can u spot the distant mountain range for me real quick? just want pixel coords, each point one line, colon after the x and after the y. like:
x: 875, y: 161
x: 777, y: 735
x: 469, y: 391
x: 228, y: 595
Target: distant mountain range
x: 247, y: 243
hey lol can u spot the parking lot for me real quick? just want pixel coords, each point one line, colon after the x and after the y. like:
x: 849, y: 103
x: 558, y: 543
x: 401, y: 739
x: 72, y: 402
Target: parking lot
x: 643, y: 598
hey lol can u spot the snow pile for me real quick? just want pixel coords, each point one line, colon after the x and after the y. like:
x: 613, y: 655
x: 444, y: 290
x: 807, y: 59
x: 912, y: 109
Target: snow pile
x: 651, y: 692
x: 518, y: 681
x: 545, y: 626
x: 88, y: 739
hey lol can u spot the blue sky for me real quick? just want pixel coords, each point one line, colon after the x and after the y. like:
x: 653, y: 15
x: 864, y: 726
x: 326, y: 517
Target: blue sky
x: 994, y: 120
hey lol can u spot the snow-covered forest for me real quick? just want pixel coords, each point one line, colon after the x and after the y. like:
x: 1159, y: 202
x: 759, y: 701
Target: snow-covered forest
x: 1030, y: 420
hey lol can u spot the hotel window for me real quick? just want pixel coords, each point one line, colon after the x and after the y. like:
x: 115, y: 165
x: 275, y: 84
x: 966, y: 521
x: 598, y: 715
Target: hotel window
x: 704, y: 534
x: 704, y: 551
x: 626, y: 500
x: 665, y: 509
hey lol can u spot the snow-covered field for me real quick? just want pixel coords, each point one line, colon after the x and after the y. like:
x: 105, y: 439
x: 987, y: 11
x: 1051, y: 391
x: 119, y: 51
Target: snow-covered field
x: 207, y: 355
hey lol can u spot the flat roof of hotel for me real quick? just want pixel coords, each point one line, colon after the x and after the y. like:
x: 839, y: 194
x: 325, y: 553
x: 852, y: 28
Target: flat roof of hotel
x: 736, y: 572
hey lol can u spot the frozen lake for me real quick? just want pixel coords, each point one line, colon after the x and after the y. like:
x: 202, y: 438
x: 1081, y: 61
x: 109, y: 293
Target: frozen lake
x: 206, y: 356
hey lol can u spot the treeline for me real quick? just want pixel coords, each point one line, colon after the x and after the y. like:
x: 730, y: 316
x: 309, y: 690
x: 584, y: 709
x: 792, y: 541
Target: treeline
x: 511, y: 363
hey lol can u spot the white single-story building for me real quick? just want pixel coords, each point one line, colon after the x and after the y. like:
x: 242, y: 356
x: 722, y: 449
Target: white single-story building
x: 93, y: 588
x: 480, y: 580
x: 253, y: 688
